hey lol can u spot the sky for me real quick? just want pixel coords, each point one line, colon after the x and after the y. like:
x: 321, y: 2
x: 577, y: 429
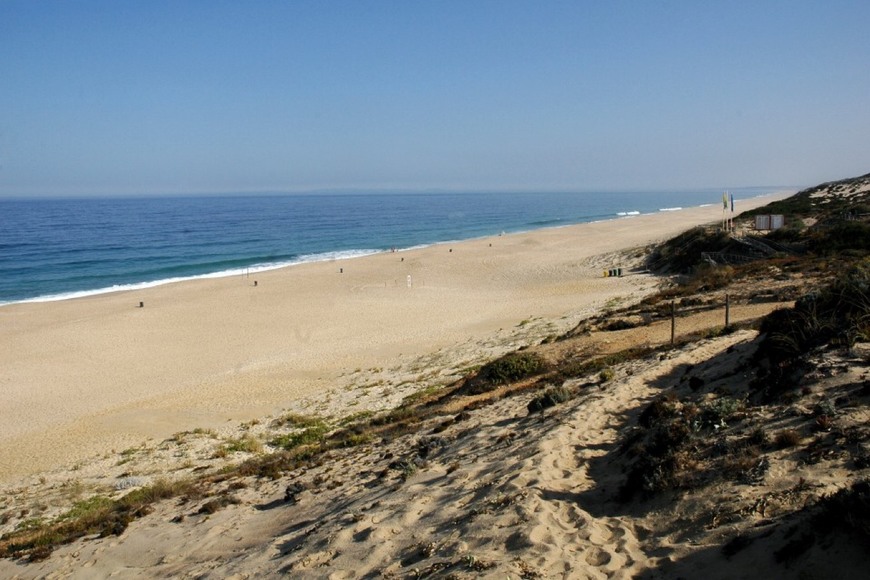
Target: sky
x: 181, y: 96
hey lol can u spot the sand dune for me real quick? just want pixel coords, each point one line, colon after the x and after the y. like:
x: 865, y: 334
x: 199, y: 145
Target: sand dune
x: 476, y: 485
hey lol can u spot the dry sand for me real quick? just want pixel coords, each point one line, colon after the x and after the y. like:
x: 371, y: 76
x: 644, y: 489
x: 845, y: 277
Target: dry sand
x: 83, y: 377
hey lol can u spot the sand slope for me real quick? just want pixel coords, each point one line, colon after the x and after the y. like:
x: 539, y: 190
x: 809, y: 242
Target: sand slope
x: 497, y: 493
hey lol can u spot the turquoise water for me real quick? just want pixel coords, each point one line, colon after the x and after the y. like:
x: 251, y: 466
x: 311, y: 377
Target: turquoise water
x: 60, y: 248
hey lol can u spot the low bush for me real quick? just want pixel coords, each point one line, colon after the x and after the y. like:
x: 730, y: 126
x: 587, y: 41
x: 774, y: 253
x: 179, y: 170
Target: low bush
x: 297, y: 420
x: 714, y: 414
x: 841, y: 237
x: 549, y: 398
x: 308, y: 436
x: 618, y: 324
x: 97, y: 515
x: 507, y: 369
x: 839, y: 314
x: 787, y: 438
x: 244, y: 444
x: 682, y: 254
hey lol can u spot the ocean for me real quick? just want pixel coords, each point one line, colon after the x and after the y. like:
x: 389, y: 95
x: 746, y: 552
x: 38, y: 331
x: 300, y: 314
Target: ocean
x: 53, y: 249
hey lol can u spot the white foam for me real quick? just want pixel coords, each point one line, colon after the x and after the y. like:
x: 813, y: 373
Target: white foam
x: 303, y: 259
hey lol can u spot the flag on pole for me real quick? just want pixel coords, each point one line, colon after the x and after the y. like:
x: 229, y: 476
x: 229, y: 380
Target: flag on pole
x: 724, y: 200
x: 732, y: 203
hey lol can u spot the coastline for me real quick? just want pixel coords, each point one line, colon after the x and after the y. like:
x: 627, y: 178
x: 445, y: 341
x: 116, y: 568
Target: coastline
x: 334, y: 255
x: 87, y: 375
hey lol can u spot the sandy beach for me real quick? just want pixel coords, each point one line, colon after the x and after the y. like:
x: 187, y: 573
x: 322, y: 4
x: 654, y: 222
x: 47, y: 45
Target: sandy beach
x: 92, y: 375
x: 333, y: 421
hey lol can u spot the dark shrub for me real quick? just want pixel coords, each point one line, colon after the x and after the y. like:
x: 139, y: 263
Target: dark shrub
x: 838, y: 314
x: 848, y: 509
x: 843, y: 236
x: 662, y: 407
x: 683, y: 253
x: 618, y: 324
x: 549, y: 398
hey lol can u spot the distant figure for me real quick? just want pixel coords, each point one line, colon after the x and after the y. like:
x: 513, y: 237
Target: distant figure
x: 451, y: 249
x: 141, y: 305
x: 255, y: 282
x: 341, y: 270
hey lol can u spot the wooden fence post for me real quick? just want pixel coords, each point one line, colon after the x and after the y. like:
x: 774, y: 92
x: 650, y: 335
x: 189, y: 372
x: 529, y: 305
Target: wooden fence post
x: 727, y: 310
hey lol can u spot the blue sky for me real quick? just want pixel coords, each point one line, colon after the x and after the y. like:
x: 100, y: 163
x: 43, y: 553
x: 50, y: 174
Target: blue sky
x: 126, y: 97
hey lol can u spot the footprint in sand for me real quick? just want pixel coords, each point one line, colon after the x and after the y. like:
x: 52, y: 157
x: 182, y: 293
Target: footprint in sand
x: 518, y: 541
x: 363, y: 535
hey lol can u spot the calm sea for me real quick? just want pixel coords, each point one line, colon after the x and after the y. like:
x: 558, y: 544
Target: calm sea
x: 53, y: 249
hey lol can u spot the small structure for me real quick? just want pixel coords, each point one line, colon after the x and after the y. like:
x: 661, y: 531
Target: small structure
x: 769, y: 222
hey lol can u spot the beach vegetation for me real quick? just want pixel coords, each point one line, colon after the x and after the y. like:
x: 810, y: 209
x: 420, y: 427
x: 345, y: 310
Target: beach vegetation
x: 823, y: 423
x: 93, y: 507
x: 312, y: 434
x: 351, y: 439
x: 215, y: 505
x: 836, y: 315
x: 204, y: 432
x: 715, y: 413
x: 507, y: 369
x: 99, y: 515
x: 297, y: 420
x: 421, y: 395
x: 401, y: 414
x: 847, y: 509
x: 619, y: 324
x: 683, y: 253
x: 356, y: 417
x: 679, y: 444
x: 549, y: 398
x: 244, y: 444
x: 787, y: 438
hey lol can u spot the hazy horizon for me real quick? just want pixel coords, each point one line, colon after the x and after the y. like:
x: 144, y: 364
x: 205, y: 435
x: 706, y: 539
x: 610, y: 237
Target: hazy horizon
x: 104, y: 98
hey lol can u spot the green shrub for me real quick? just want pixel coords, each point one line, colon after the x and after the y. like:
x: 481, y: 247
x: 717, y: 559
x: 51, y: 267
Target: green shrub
x: 309, y: 436
x: 549, y: 398
x: 245, y: 444
x: 298, y: 420
x: 715, y: 413
x: 507, y: 369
